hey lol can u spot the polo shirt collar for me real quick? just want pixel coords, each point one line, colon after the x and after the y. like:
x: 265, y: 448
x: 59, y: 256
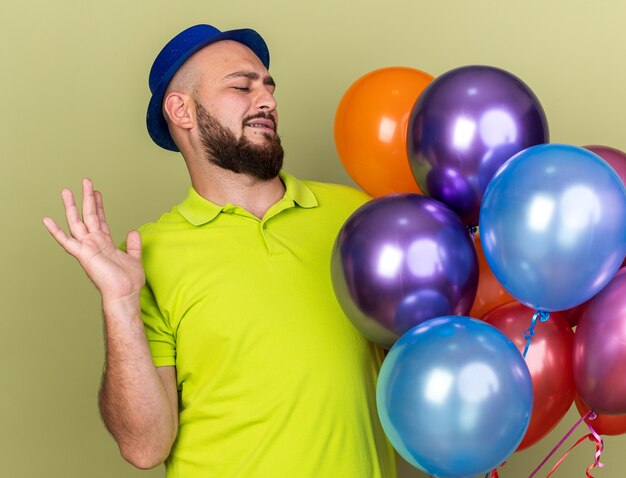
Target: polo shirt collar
x: 299, y: 192
x: 197, y: 210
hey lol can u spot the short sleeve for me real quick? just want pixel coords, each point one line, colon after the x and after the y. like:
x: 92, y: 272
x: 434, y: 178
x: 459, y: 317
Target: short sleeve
x: 158, y: 330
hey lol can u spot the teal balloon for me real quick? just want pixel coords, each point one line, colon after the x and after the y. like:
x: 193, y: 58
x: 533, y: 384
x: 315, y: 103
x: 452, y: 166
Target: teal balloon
x: 553, y: 225
x: 454, y: 397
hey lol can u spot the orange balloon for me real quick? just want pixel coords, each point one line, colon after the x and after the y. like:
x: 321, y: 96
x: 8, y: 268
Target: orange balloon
x: 490, y: 293
x: 371, y: 127
x: 603, y: 424
x: 549, y: 360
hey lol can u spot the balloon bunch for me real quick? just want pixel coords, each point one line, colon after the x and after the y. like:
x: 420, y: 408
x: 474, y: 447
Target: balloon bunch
x: 446, y: 157
x: 553, y: 227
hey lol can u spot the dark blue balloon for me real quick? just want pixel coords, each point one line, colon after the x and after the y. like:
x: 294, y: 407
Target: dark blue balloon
x: 454, y: 397
x: 402, y: 259
x: 553, y: 225
x: 464, y: 126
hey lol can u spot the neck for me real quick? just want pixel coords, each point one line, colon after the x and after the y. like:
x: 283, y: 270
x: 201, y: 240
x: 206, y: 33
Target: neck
x: 222, y: 187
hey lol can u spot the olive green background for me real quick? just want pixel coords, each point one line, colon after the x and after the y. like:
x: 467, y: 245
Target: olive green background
x: 73, y: 90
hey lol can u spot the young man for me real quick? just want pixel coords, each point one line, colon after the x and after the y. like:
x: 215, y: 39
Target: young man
x: 227, y: 354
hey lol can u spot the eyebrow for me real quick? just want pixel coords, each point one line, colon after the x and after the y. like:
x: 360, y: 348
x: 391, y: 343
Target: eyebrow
x: 251, y: 75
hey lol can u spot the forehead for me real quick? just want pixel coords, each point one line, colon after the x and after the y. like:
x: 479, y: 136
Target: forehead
x: 224, y: 57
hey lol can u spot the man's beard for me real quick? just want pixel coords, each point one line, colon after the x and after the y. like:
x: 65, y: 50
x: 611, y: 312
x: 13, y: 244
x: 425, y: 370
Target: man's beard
x: 222, y: 148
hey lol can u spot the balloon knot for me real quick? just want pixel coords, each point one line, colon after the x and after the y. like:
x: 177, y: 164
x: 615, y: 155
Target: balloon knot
x: 542, y: 316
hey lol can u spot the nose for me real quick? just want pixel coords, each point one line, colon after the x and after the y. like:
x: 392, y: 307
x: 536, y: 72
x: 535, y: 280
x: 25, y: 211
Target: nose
x: 266, y: 100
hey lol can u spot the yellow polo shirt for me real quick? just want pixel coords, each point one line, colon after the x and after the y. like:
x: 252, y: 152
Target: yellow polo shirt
x: 274, y: 381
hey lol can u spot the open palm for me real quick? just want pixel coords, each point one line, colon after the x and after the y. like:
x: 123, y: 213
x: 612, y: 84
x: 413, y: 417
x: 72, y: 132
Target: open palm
x: 117, y: 274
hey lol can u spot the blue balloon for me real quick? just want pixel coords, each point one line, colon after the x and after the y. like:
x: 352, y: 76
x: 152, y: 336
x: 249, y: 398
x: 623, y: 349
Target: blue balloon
x: 454, y: 397
x: 553, y: 225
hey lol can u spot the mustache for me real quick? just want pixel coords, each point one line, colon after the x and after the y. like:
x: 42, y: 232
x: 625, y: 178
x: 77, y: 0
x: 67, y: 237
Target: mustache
x: 260, y: 115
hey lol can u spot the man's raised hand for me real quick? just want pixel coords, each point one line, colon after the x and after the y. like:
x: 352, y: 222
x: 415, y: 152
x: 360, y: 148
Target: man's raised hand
x: 117, y: 274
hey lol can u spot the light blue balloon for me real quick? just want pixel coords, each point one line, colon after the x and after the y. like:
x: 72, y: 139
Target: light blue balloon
x: 454, y: 397
x: 553, y: 225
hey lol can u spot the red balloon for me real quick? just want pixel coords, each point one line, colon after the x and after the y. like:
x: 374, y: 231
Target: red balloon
x: 600, y: 349
x: 573, y: 315
x: 549, y: 360
x: 603, y: 424
x: 490, y: 293
x: 371, y: 126
x: 615, y: 157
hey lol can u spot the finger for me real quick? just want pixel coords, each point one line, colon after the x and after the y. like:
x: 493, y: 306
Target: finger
x: 66, y: 242
x: 90, y: 213
x: 104, y: 225
x: 74, y: 222
x: 133, y: 244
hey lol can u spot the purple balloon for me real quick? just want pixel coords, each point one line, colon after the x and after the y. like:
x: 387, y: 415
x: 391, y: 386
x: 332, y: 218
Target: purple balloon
x: 600, y: 349
x: 464, y: 126
x: 402, y: 259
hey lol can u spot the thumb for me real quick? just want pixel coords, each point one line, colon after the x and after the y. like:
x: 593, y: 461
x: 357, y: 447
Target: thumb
x: 133, y: 244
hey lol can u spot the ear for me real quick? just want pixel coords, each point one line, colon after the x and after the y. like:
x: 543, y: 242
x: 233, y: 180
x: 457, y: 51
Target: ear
x: 178, y: 110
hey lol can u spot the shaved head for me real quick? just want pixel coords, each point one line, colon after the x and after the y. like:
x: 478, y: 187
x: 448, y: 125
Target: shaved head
x: 188, y: 77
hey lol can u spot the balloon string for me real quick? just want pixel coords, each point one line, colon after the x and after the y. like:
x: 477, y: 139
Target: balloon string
x: 543, y: 316
x: 558, y: 463
x: 558, y: 445
x: 593, y: 436
x: 599, y: 446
